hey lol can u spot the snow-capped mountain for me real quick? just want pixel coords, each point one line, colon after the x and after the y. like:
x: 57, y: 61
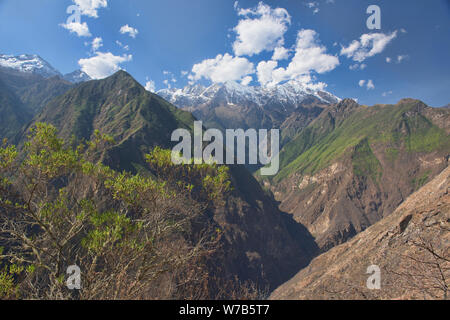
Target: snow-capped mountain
x: 292, y: 93
x: 29, y: 63
x: 290, y: 106
x: 77, y: 76
x: 34, y: 64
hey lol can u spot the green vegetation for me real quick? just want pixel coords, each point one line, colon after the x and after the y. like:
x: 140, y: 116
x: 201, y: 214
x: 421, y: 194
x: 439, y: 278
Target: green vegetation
x: 399, y: 128
x: 365, y: 164
x: 418, y: 182
x: 133, y: 236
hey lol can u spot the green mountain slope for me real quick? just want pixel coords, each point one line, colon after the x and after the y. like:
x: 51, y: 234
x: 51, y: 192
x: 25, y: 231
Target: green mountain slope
x: 260, y: 243
x: 401, y: 127
x: 354, y: 164
x: 33, y: 90
x: 13, y: 114
x: 120, y: 107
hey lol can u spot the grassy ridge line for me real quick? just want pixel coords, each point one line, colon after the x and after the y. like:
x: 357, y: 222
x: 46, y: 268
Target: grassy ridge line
x: 392, y: 125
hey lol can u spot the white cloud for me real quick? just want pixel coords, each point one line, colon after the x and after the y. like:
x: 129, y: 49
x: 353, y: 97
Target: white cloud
x: 150, y: 86
x: 184, y: 73
x: 385, y: 94
x: 309, y: 56
x: 264, y: 72
x: 120, y: 44
x: 167, y: 83
x: 89, y: 7
x: 130, y: 30
x: 280, y: 53
x: 246, y: 80
x: 369, y: 86
x: 97, y: 43
x: 102, y: 64
x: 222, y: 68
x: 369, y: 45
x: 314, y: 6
x: 81, y: 29
x: 262, y: 29
x: 357, y: 66
x: 400, y: 58
x: 388, y: 60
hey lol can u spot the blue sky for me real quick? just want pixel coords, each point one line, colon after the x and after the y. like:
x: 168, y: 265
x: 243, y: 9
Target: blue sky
x: 173, y: 42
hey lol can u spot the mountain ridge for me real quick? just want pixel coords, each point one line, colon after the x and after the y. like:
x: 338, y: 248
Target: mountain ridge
x: 402, y: 244
x: 355, y: 164
x: 261, y: 243
x: 34, y: 64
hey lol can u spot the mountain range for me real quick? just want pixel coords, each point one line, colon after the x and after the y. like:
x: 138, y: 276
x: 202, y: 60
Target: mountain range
x: 349, y: 174
x: 34, y: 64
x: 260, y: 243
x: 290, y: 106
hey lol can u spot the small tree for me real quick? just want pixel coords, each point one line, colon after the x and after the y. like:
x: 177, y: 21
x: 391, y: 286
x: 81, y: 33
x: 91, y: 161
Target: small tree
x: 133, y: 236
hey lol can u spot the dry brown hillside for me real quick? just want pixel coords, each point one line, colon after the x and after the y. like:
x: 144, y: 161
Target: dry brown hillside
x: 411, y: 247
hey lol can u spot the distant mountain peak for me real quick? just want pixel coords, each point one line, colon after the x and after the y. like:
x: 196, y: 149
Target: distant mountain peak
x: 77, y: 76
x: 230, y: 92
x: 34, y: 64
x: 29, y: 63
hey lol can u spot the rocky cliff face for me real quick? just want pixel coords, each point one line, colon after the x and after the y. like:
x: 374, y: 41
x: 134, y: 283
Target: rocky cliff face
x: 410, y: 247
x: 354, y: 165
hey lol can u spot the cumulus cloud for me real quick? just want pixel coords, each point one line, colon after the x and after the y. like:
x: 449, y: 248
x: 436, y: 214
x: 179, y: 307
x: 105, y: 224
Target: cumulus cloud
x: 261, y: 29
x: 246, y: 80
x: 369, y: 85
x: 102, y: 64
x: 97, y: 43
x: 264, y: 71
x: 81, y: 29
x: 222, y: 68
x: 385, y: 94
x: 132, y: 32
x: 280, y: 53
x: 150, y: 85
x: 90, y: 7
x: 309, y: 56
x: 388, y: 60
x: 369, y: 45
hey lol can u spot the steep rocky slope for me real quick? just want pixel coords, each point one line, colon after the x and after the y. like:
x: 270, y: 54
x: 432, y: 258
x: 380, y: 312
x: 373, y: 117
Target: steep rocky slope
x: 411, y: 247
x: 354, y: 165
x: 260, y: 243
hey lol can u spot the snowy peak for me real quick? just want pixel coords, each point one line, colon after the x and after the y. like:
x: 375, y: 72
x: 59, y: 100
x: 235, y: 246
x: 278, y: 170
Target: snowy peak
x: 290, y: 93
x: 77, y: 76
x: 34, y: 64
x: 29, y: 64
